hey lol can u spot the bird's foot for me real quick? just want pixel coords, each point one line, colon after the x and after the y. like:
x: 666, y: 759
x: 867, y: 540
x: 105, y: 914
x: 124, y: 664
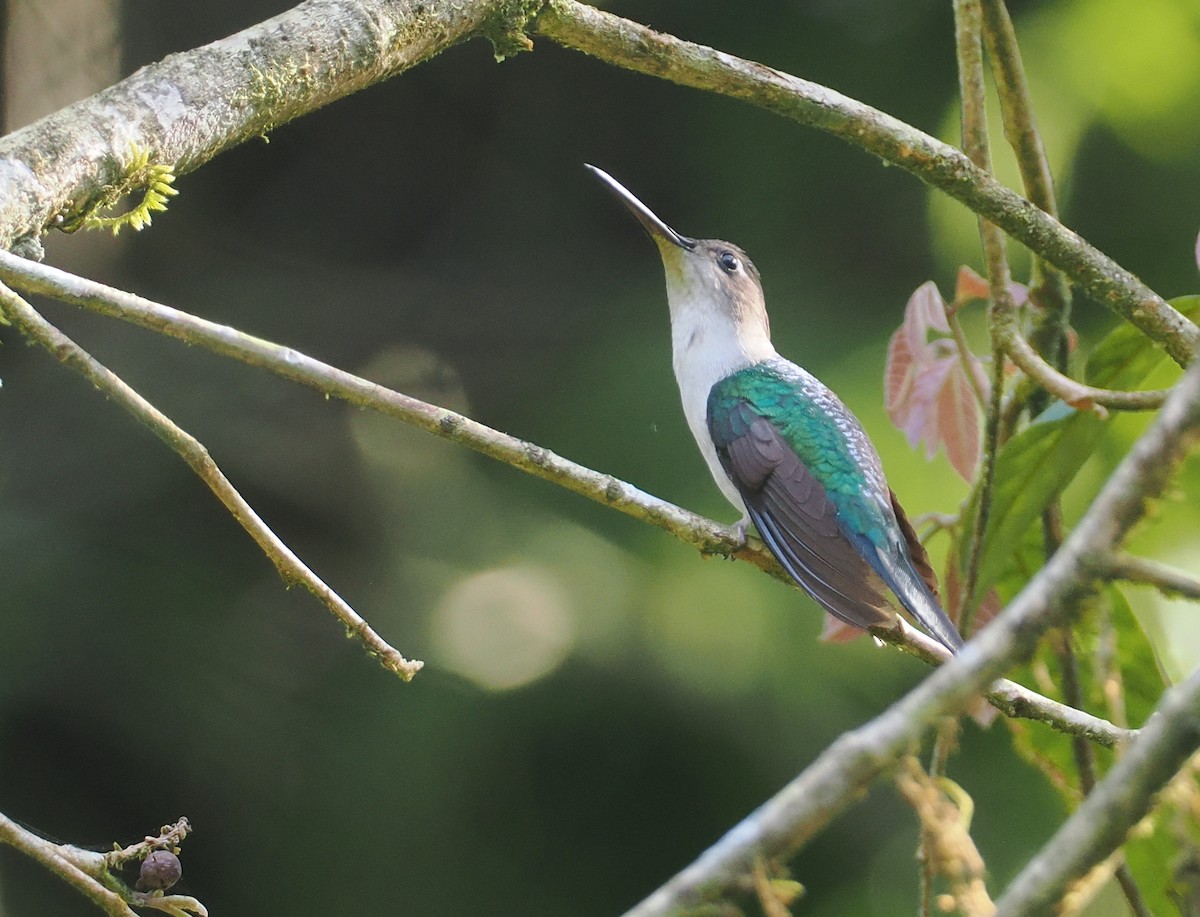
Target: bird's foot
x: 739, y: 535
x: 740, y: 528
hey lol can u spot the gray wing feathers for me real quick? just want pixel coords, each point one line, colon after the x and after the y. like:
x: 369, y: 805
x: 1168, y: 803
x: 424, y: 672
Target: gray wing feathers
x: 792, y: 512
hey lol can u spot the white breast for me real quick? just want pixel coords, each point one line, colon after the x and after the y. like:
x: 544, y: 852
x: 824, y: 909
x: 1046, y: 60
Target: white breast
x: 706, y: 349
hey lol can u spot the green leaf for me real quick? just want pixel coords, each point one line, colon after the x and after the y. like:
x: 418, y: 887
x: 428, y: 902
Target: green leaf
x: 1125, y: 688
x: 1126, y: 356
x: 1156, y: 846
x: 1035, y: 466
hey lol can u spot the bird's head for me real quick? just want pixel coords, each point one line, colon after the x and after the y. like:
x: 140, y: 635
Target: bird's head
x: 707, y: 276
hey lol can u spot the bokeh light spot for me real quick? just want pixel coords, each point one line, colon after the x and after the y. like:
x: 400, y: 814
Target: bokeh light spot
x: 504, y: 628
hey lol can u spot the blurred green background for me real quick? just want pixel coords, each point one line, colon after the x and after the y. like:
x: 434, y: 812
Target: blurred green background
x: 599, y: 703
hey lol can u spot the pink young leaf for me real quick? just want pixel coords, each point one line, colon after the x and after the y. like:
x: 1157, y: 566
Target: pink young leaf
x: 969, y: 286
x: 941, y: 410
x: 925, y: 312
x: 927, y: 392
x: 897, y: 373
x: 909, y: 352
x: 919, y: 417
x: 1198, y: 251
x: 959, y: 422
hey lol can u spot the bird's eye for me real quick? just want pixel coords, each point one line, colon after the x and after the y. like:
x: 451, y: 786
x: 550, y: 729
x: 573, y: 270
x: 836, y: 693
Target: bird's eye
x: 729, y: 262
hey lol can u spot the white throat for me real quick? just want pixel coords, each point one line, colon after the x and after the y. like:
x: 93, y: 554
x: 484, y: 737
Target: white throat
x: 706, y: 347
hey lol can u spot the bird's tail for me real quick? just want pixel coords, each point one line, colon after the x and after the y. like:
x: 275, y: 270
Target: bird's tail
x: 917, y: 597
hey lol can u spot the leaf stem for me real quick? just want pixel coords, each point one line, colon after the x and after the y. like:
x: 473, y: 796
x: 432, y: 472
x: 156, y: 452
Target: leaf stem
x: 973, y: 373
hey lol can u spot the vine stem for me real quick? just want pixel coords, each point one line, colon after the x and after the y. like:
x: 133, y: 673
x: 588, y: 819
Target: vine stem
x: 969, y: 54
x: 1050, y: 289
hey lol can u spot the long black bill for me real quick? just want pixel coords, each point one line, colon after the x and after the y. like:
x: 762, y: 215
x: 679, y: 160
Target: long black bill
x: 652, y: 224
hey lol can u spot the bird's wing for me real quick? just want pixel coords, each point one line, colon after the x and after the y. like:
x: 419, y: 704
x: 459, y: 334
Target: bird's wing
x: 797, y: 521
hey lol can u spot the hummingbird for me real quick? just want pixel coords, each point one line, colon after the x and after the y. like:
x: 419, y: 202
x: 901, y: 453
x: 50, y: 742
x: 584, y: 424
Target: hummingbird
x: 781, y: 446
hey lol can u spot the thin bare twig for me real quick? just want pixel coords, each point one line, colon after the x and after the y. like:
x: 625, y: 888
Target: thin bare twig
x: 290, y: 567
x: 704, y: 534
x: 1143, y: 572
x: 1014, y: 700
x: 89, y: 872
x: 52, y: 857
x: 1007, y: 332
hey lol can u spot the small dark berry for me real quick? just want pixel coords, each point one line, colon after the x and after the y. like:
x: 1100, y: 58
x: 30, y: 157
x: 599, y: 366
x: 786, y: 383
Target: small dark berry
x: 160, y: 870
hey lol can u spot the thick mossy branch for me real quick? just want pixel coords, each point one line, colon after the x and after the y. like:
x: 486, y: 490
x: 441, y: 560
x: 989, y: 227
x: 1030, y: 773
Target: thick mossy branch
x: 191, y: 106
x: 507, y: 28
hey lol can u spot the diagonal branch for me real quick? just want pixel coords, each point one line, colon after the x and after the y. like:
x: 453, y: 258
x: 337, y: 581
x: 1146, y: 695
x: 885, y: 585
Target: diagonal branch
x: 701, y: 533
x: 189, y: 107
x: 1100, y: 825
x: 636, y: 47
x: 290, y: 567
x: 791, y: 818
